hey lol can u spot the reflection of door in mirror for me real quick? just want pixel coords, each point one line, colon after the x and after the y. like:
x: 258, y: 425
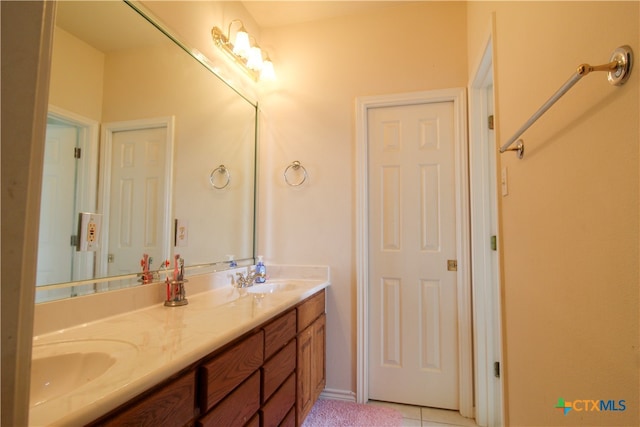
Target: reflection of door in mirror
x: 57, y: 206
x: 137, y: 170
x: 69, y: 179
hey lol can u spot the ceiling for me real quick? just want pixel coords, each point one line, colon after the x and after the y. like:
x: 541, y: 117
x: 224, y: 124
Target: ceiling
x: 269, y: 14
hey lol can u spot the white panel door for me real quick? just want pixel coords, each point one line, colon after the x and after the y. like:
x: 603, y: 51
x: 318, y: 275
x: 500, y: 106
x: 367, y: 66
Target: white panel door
x: 413, y: 343
x: 137, y: 199
x: 57, y: 206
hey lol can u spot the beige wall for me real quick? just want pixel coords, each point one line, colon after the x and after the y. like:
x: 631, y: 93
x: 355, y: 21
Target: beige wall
x: 310, y: 116
x: 569, y: 225
x: 77, y: 72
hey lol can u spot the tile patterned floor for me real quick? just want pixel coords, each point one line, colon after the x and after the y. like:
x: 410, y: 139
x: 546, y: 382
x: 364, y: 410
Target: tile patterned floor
x: 416, y: 416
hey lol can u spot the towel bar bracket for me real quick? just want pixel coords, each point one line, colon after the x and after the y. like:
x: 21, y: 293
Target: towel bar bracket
x: 619, y: 74
x: 519, y: 149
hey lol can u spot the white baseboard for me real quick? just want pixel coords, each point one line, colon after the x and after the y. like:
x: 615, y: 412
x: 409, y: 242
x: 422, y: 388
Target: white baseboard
x: 346, y: 395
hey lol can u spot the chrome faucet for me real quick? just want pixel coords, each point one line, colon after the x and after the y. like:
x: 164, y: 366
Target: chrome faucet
x: 248, y: 280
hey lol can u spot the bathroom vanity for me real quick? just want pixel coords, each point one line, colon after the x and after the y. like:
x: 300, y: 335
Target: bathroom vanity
x: 253, y: 356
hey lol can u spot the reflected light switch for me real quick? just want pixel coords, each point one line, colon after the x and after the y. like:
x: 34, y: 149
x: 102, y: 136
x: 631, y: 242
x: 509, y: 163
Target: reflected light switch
x: 182, y: 232
x: 90, y: 227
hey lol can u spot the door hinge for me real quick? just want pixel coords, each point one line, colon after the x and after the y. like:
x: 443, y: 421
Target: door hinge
x: 490, y: 122
x: 496, y: 369
x: 494, y: 243
x: 74, y: 240
x: 452, y: 265
x: 77, y: 152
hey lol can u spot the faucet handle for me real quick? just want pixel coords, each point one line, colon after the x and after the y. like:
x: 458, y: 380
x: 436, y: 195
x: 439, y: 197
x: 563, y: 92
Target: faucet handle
x: 242, y: 280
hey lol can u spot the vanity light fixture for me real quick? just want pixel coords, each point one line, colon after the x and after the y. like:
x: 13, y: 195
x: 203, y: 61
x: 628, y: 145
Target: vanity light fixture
x: 249, y: 57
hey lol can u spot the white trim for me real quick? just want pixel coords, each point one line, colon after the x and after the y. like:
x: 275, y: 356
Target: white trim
x: 334, y: 394
x: 486, y: 298
x: 363, y: 104
x: 104, y: 190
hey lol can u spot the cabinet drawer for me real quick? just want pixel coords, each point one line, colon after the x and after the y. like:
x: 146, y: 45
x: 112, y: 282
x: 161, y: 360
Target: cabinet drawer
x: 254, y: 422
x: 278, y: 333
x: 226, y: 371
x: 290, y: 419
x: 277, y: 369
x: 280, y: 403
x: 237, y: 408
x: 172, y: 404
x: 310, y: 309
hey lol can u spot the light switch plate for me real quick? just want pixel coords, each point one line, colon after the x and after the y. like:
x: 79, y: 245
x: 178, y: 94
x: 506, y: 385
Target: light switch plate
x: 182, y: 232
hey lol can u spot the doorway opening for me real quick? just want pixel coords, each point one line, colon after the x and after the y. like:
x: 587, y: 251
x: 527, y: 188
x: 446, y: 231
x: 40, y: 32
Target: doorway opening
x: 69, y: 186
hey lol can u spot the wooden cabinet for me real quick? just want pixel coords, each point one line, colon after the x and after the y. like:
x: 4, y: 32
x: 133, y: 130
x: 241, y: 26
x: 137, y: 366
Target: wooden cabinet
x: 170, y: 404
x: 269, y: 377
x: 224, y: 372
x: 237, y: 408
x: 278, y: 372
x: 311, y: 368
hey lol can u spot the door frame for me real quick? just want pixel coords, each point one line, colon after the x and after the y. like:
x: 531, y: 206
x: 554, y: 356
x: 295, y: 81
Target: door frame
x: 104, y: 190
x: 363, y: 104
x: 486, y: 278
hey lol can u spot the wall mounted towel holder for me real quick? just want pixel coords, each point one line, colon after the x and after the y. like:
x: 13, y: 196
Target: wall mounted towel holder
x: 222, y: 169
x: 618, y: 71
x: 295, y: 166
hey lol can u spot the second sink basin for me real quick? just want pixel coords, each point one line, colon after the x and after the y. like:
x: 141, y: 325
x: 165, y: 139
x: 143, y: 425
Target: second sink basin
x: 270, y: 288
x: 62, y: 367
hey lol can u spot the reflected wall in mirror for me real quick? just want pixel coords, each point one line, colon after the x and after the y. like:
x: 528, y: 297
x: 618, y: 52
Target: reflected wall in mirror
x: 137, y: 128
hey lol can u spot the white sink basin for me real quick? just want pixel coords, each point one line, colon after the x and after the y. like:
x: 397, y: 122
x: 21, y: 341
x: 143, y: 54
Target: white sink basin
x: 62, y: 367
x: 270, y: 288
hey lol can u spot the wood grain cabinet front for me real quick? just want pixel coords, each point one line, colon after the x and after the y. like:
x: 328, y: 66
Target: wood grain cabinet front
x: 280, y: 403
x: 238, y: 408
x: 278, y: 333
x: 277, y: 369
x: 229, y: 369
x: 171, y: 404
x: 310, y: 363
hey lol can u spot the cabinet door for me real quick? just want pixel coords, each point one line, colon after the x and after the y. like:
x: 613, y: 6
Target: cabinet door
x: 311, y: 370
x: 304, y: 399
x: 318, y: 344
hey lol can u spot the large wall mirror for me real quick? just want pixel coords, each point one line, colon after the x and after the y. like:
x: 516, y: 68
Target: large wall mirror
x: 147, y: 152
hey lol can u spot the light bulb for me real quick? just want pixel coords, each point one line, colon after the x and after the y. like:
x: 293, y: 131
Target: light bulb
x: 242, y: 47
x: 267, y: 73
x: 254, y: 62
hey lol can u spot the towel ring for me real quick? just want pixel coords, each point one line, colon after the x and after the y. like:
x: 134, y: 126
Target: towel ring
x: 223, y: 170
x: 295, y: 166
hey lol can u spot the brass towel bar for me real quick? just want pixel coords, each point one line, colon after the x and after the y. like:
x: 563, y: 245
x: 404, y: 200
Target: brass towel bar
x: 618, y: 72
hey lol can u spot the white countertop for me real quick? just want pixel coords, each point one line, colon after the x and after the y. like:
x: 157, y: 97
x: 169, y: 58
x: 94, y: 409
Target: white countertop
x: 155, y: 342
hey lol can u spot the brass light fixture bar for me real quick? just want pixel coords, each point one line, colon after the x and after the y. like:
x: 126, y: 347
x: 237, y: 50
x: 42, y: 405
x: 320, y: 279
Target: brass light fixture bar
x: 249, y: 58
